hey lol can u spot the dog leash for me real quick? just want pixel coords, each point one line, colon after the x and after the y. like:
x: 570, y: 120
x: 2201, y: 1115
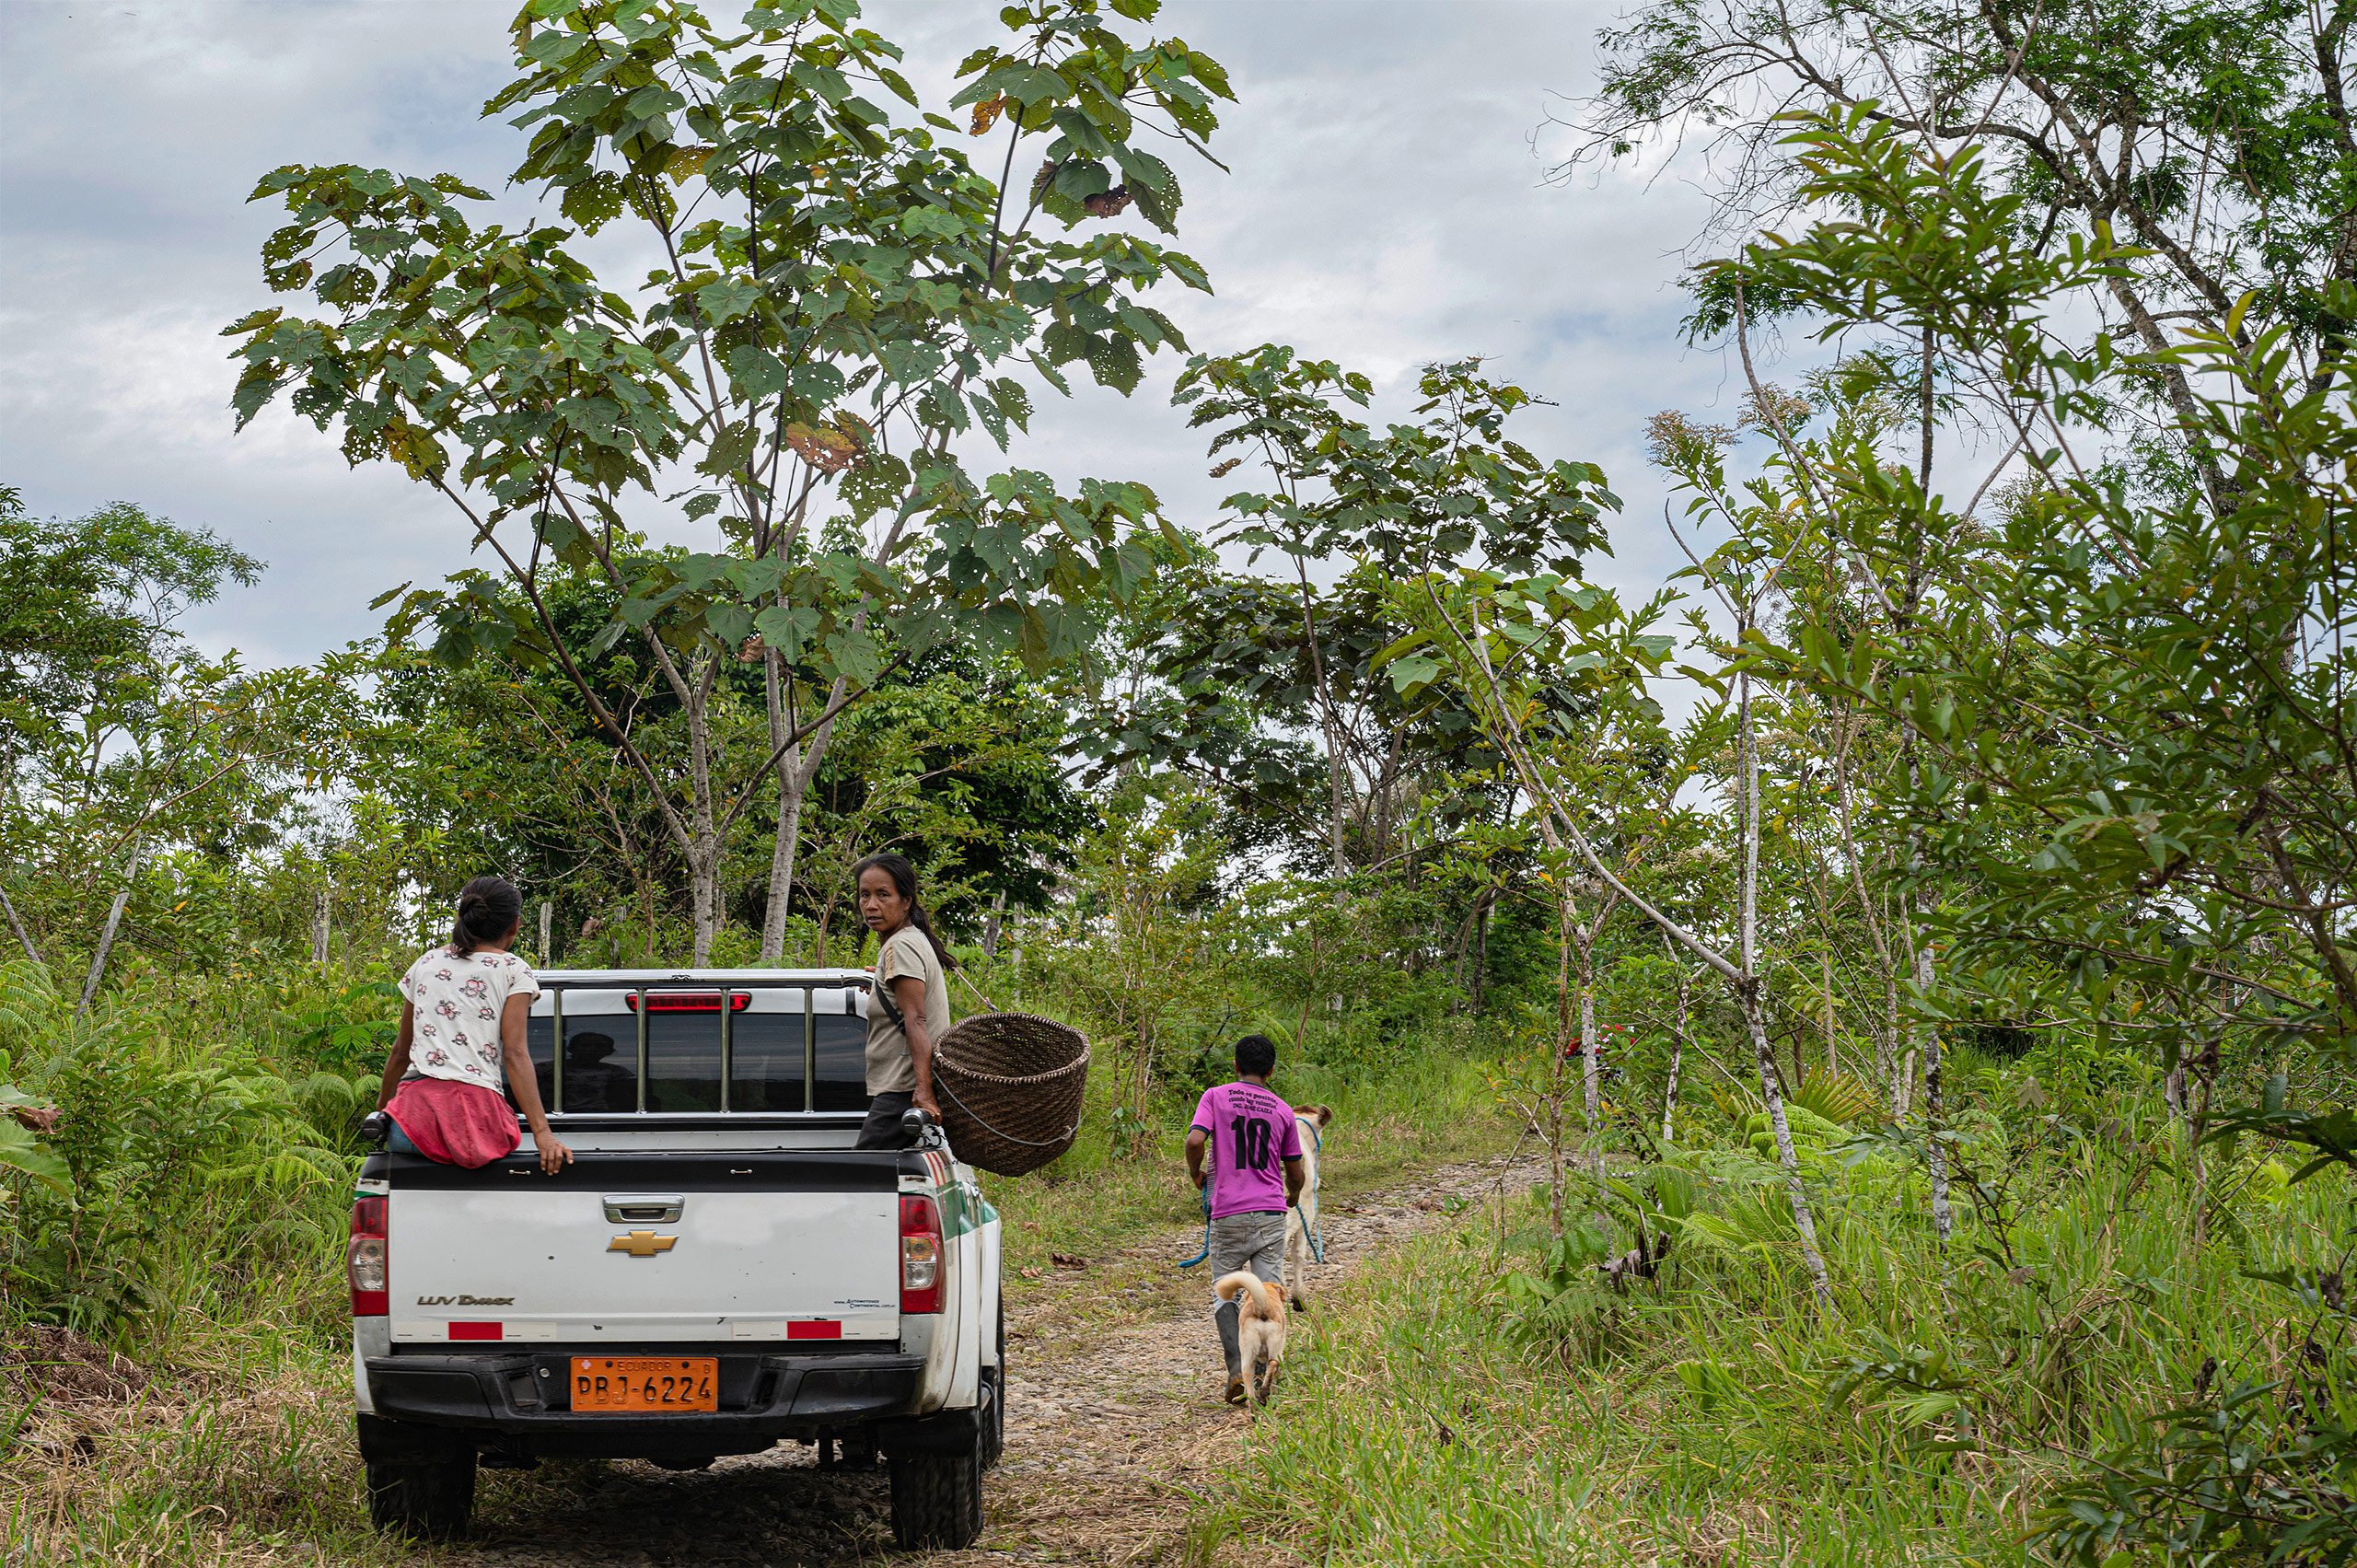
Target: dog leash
x: 1317, y: 1242
x: 1207, y: 1231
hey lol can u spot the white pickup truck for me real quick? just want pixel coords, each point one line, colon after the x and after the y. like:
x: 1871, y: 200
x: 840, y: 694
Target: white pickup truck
x: 717, y: 1270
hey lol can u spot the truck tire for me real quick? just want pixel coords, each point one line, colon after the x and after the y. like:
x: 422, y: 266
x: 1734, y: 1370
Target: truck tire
x: 429, y: 1502
x: 938, y: 1498
x: 421, y: 1479
x: 994, y: 1394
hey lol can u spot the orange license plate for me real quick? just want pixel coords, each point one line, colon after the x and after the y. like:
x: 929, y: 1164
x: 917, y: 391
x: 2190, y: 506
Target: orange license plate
x: 640, y: 1384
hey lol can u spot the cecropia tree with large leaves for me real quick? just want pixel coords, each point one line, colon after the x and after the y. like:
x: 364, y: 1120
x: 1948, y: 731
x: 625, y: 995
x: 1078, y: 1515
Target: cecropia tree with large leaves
x: 839, y: 296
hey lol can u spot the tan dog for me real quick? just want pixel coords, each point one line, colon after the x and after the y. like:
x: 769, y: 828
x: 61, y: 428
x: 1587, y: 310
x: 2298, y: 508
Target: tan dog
x: 1302, y: 1218
x: 1260, y: 1328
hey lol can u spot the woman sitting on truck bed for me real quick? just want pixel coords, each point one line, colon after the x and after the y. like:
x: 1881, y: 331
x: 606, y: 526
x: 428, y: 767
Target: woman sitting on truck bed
x: 910, y: 1008
x: 461, y: 1042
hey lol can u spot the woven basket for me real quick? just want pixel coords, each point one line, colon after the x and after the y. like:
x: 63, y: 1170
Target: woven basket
x: 1010, y: 1088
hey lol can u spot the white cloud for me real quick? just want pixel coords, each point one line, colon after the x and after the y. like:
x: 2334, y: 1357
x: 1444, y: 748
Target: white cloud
x: 1387, y: 208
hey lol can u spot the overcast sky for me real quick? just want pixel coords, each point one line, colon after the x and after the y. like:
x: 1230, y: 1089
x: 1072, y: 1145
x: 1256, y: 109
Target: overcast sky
x: 1388, y: 205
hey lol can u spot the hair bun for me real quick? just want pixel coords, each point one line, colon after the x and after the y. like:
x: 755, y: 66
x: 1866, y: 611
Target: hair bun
x: 489, y: 907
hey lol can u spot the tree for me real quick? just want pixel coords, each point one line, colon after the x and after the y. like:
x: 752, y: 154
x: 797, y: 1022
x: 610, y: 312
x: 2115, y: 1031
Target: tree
x: 1497, y: 637
x: 88, y: 604
x: 842, y: 295
x: 2128, y: 691
x: 2194, y: 833
x: 138, y: 768
x: 2216, y: 140
x: 957, y: 765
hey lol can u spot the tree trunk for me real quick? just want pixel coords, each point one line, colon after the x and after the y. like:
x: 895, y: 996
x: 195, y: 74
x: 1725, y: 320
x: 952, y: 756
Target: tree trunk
x: 991, y: 927
x: 17, y: 925
x: 105, y: 938
x: 1887, y: 1028
x: 1480, y: 953
x: 1747, y: 992
x: 547, y: 915
x: 1328, y: 720
x: 1927, y: 1042
x: 786, y: 842
x: 1554, y: 1099
x: 704, y: 896
x: 1591, y: 1062
x: 785, y: 845
x: 320, y: 928
x: 797, y: 768
x: 1802, y: 1221
x: 703, y: 848
x: 1825, y: 976
x: 1677, y: 1056
x: 1935, y: 1152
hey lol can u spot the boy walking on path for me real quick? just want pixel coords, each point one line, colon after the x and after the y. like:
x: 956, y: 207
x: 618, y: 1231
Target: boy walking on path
x: 1256, y: 1176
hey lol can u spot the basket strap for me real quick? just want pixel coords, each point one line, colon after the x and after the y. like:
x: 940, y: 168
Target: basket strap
x: 988, y: 1005
x: 1026, y: 1142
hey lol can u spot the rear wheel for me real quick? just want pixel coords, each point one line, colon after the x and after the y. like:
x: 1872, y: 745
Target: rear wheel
x: 420, y: 1483
x: 429, y: 1502
x: 938, y: 1498
x: 994, y: 1393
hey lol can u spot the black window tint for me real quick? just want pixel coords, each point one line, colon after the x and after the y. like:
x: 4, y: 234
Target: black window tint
x: 682, y: 1053
x: 842, y: 1051
x: 765, y: 1050
x: 600, y: 1061
x: 540, y: 1039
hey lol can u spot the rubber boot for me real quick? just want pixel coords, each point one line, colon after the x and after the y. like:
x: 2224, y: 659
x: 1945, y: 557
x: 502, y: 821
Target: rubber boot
x: 1231, y: 1341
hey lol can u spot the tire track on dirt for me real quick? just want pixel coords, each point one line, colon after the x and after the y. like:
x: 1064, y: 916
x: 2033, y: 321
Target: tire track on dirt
x: 1113, y: 1414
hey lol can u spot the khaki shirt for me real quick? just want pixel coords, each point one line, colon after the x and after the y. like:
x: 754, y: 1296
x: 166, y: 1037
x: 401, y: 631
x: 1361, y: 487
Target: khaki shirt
x: 906, y: 955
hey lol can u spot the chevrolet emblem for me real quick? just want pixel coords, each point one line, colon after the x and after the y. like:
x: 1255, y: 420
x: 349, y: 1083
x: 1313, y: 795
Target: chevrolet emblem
x: 642, y: 1244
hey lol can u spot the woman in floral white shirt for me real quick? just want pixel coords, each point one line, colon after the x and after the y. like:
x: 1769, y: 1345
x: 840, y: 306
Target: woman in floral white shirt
x: 461, y: 1040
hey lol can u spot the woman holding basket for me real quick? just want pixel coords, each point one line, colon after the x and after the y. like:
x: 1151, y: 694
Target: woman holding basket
x: 912, y: 999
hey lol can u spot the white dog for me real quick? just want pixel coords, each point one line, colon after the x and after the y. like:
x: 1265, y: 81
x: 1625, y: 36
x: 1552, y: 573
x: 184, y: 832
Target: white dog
x: 1301, y: 1219
x: 1260, y: 1328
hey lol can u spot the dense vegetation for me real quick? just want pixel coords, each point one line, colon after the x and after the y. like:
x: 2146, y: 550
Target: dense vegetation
x: 1937, y: 1036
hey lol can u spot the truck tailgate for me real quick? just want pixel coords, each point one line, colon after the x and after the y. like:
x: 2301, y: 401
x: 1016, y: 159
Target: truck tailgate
x: 624, y: 1256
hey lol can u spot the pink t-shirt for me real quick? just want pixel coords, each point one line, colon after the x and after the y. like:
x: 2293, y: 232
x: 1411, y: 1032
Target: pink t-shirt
x: 1251, y: 1133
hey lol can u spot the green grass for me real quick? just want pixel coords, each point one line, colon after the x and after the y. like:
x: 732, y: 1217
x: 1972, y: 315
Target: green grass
x: 1439, y: 1414
x: 239, y: 1452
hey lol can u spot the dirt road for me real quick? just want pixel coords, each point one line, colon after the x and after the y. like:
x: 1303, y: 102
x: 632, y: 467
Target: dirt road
x: 1113, y: 1410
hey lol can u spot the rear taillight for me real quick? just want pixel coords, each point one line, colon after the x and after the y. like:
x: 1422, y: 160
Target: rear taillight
x: 920, y: 1255
x: 365, y: 1259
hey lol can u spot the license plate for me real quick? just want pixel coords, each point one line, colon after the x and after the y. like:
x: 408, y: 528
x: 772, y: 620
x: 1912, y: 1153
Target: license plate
x: 605, y: 1385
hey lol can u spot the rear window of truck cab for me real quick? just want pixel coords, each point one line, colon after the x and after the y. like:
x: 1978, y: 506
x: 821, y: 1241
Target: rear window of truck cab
x: 607, y: 1046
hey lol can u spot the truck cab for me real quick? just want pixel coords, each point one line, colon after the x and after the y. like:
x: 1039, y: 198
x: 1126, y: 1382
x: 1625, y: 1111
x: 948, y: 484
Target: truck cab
x: 717, y: 1270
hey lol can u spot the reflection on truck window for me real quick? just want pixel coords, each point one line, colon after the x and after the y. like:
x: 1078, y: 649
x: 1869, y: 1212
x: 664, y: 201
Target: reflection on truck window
x: 765, y: 1055
x: 540, y: 1040
x: 600, y: 1073
x: 682, y: 1053
x: 842, y: 1061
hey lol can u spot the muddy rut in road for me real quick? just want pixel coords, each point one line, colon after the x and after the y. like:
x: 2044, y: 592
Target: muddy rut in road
x: 1113, y: 1411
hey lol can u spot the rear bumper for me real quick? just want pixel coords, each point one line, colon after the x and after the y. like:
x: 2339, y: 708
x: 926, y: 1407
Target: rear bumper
x: 520, y: 1403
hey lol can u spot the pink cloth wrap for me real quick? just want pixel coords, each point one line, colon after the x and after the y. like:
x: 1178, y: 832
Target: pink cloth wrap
x: 461, y: 1124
